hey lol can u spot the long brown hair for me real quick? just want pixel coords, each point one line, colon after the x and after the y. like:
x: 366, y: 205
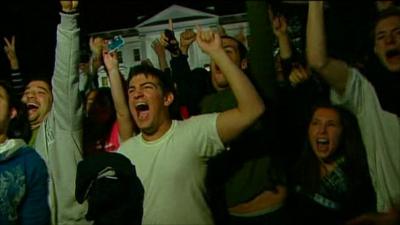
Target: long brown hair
x: 307, y: 171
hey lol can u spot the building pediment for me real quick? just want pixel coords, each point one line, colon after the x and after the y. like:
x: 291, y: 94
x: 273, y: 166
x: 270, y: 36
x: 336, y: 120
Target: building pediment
x: 181, y: 16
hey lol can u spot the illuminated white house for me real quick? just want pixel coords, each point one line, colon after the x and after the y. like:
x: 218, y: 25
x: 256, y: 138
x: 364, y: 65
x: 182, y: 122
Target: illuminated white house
x: 139, y: 38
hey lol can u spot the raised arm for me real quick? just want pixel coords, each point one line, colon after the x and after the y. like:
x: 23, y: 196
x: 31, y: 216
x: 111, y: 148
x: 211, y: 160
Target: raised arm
x: 181, y: 72
x: 241, y: 35
x: 67, y: 107
x: 159, y: 49
x: 125, y: 121
x: 187, y: 38
x: 96, y: 47
x: 279, y: 25
x: 17, y: 79
x: 335, y: 72
x: 9, y: 49
x: 61, y: 140
x: 250, y: 106
x: 88, y: 71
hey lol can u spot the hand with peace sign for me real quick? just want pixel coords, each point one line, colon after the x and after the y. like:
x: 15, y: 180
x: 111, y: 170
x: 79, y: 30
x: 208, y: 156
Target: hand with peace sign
x: 9, y: 49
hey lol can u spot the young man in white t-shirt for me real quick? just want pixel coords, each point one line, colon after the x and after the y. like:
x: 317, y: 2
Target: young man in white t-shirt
x: 170, y: 156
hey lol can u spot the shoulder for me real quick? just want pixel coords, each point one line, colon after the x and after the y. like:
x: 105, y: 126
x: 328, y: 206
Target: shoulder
x: 126, y: 145
x: 33, y: 161
x: 199, y: 119
x: 29, y: 152
x: 356, y: 77
x: 202, y: 128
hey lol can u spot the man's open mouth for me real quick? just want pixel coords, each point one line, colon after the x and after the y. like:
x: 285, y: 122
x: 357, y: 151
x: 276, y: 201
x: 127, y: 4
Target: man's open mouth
x: 32, y: 107
x: 142, y: 109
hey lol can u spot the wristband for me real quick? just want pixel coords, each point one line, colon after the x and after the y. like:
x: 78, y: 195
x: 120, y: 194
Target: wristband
x: 69, y: 13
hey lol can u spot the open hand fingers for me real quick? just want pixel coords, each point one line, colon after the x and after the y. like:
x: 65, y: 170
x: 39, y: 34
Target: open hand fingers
x: 8, y: 44
x: 298, y: 75
x: 207, y: 35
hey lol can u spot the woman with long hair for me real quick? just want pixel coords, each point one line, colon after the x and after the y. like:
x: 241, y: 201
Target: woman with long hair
x: 331, y: 183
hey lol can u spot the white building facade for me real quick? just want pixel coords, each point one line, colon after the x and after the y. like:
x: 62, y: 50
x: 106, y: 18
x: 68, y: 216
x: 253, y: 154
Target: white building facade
x: 138, y: 39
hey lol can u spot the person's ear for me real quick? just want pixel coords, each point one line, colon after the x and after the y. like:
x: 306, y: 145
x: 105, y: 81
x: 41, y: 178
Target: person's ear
x: 243, y: 64
x: 168, y: 99
x: 13, y: 113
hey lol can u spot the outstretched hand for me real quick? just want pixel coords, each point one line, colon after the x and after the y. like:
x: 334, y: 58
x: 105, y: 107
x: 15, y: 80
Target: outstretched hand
x: 279, y: 25
x: 208, y: 40
x: 96, y: 45
x: 110, y: 61
x: 221, y: 30
x: 158, y: 48
x: 168, y: 40
x: 9, y: 49
x: 69, y: 6
x: 241, y: 36
x: 298, y: 74
x: 187, y: 38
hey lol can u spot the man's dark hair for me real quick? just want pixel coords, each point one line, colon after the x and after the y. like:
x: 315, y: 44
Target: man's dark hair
x: 386, y: 13
x: 242, y: 49
x: 40, y: 77
x: 164, y: 79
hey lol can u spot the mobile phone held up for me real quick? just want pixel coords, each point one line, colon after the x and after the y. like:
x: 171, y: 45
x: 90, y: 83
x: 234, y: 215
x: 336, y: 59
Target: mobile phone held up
x: 169, y: 34
x: 172, y: 46
x: 115, y: 44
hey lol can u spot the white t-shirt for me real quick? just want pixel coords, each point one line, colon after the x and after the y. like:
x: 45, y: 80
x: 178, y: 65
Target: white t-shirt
x: 172, y: 170
x: 380, y: 131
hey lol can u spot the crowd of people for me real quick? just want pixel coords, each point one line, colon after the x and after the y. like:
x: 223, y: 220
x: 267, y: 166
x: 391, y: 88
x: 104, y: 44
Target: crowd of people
x: 171, y: 144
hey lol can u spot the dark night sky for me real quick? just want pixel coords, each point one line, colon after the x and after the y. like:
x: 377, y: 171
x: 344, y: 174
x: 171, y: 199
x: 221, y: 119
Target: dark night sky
x: 34, y: 23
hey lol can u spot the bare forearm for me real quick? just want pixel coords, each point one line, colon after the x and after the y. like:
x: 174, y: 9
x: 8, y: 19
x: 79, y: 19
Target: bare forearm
x: 120, y: 103
x: 94, y: 64
x: 285, y: 50
x: 162, y: 61
x: 184, y: 50
x: 316, y: 46
x: 14, y: 65
x: 335, y: 72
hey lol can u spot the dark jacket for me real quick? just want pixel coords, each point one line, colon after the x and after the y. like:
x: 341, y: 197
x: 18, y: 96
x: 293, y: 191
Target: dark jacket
x: 114, y: 193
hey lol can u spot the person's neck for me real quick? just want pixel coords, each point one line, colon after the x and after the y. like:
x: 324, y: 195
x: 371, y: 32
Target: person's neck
x: 35, y: 125
x: 162, y: 129
x: 327, y: 167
